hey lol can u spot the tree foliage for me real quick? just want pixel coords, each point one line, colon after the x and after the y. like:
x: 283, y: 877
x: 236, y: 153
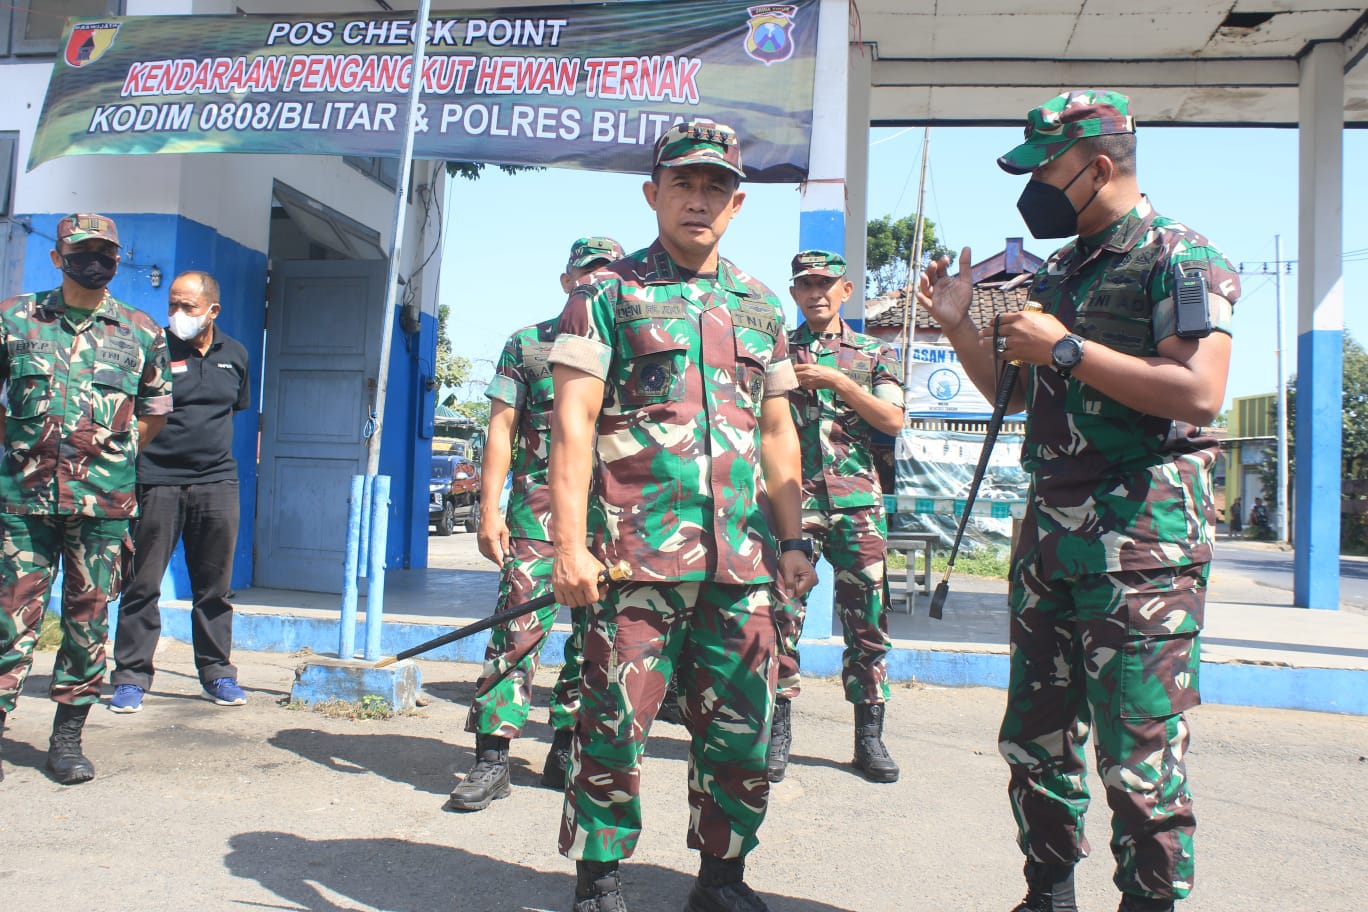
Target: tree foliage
x: 1353, y: 440
x: 472, y: 170
x: 452, y: 370
x: 888, y: 247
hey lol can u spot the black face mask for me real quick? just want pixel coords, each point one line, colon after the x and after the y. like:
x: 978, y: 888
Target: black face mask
x: 1047, y: 210
x: 89, y: 268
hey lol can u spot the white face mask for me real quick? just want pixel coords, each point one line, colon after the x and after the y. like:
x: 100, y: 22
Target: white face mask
x: 186, y: 327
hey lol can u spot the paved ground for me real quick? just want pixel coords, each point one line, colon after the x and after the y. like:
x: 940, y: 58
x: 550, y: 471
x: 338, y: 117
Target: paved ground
x: 266, y: 808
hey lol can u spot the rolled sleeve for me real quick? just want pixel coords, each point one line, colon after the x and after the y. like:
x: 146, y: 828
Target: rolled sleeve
x: 505, y: 389
x: 588, y: 355
x: 154, y: 387
x: 889, y: 392
x: 780, y: 378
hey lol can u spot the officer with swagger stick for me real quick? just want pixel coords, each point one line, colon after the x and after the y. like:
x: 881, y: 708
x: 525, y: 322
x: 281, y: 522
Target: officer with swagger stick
x: 1125, y: 364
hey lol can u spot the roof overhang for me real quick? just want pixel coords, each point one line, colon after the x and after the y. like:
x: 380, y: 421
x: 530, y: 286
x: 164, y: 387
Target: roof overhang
x: 1196, y: 62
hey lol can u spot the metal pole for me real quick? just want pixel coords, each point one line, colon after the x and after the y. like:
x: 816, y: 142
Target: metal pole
x: 375, y: 593
x: 396, y: 249
x: 1281, y: 527
x: 346, y: 641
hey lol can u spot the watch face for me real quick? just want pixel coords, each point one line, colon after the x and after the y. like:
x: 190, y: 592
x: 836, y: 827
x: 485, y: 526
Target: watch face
x: 1066, y: 352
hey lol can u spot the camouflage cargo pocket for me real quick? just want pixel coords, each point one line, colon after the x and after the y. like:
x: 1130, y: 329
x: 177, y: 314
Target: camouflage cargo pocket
x: 30, y: 389
x: 1162, y: 654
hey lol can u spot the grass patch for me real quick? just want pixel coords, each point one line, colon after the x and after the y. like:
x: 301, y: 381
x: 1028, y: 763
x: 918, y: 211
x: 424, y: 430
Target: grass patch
x: 989, y: 562
x: 372, y: 707
x: 49, y: 633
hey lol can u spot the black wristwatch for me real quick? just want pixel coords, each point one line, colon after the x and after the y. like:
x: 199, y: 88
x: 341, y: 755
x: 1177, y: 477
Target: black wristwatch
x: 797, y: 544
x: 1066, y: 354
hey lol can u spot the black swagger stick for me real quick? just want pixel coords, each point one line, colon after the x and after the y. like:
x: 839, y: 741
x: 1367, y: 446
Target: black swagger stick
x: 1006, y: 383
x: 619, y: 572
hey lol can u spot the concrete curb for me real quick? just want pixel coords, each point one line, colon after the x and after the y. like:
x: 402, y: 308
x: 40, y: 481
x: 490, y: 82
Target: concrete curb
x: 1236, y: 683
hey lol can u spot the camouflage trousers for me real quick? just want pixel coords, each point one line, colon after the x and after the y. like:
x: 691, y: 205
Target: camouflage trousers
x: 503, y: 694
x: 719, y: 640
x: 855, y: 543
x: 91, y: 552
x: 1117, y: 655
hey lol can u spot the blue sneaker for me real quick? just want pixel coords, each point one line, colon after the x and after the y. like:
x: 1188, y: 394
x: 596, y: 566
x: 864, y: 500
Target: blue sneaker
x: 225, y: 692
x: 127, y: 699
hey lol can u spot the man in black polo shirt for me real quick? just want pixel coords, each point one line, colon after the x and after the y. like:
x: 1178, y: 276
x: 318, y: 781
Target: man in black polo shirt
x: 188, y: 489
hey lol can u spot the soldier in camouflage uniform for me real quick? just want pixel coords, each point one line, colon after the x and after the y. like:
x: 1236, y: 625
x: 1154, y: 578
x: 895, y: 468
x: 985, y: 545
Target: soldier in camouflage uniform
x: 849, y: 384
x: 520, y: 435
x: 88, y: 381
x: 1109, y: 576
x: 679, y: 362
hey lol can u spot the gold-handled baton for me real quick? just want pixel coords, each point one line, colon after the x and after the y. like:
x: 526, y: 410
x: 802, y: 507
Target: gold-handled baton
x: 1006, y: 383
x: 618, y: 573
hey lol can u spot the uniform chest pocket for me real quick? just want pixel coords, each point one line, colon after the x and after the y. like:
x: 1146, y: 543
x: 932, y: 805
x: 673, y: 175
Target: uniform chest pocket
x: 1120, y: 318
x: 30, y: 388
x: 111, y: 398
x: 654, y: 369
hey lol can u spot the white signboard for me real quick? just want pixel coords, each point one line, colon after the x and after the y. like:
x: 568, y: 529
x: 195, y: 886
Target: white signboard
x: 937, y: 386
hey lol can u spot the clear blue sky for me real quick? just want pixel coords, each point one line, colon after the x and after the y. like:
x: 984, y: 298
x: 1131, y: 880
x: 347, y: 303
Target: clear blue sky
x: 508, y: 237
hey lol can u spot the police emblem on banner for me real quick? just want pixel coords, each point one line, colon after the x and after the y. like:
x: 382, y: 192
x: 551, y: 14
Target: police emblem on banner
x: 770, y: 39
x: 88, y: 41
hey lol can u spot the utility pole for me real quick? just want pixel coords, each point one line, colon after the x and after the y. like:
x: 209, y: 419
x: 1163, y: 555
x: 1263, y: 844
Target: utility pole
x: 914, y: 265
x: 1280, y: 509
x: 1282, y: 393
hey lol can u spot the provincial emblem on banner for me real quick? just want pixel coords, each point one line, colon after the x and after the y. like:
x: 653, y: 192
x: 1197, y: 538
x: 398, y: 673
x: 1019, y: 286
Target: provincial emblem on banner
x: 88, y: 41
x: 770, y: 39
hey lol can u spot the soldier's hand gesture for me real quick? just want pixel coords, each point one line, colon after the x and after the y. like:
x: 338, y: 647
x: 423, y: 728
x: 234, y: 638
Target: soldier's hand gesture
x: 946, y: 297
x: 797, y: 573
x: 575, y: 578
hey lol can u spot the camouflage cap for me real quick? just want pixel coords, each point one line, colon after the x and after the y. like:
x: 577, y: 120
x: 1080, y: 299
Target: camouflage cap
x: 589, y: 250
x: 1062, y: 121
x: 699, y: 142
x: 819, y: 263
x: 86, y: 226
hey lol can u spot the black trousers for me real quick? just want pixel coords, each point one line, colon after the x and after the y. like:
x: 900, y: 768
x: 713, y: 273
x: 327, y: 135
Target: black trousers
x: 206, y: 517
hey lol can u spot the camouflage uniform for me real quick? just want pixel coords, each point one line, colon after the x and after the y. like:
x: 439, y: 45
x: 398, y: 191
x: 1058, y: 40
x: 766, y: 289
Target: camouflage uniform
x: 687, y: 361
x: 76, y: 386
x: 503, y: 695
x: 1109, y: 577
x: 843, y: 508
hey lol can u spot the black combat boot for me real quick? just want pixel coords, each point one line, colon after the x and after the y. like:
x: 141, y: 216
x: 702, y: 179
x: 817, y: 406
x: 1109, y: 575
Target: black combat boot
x: 597, y: 887
x: 1049, y: 888
x: 64, y: 760
x: 720, y: 887
x: 781, y: 739
x: 558, y: 759
x: 487, y: 779
x: 2, y: 745
x: 871, y: 757
x: 1132, y: 903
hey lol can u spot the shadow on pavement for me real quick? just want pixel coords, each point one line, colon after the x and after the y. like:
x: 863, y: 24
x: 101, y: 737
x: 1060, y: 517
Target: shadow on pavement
x: 334, y: 875
x: 425, y: 764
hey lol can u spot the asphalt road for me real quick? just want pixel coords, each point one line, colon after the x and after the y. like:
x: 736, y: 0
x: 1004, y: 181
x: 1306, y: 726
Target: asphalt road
x: 262, y: 808
x: 1268, y: 566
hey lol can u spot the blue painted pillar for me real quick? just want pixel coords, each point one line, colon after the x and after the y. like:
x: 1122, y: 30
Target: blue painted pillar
x: 1320, y: 327
x: 822, y: 209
